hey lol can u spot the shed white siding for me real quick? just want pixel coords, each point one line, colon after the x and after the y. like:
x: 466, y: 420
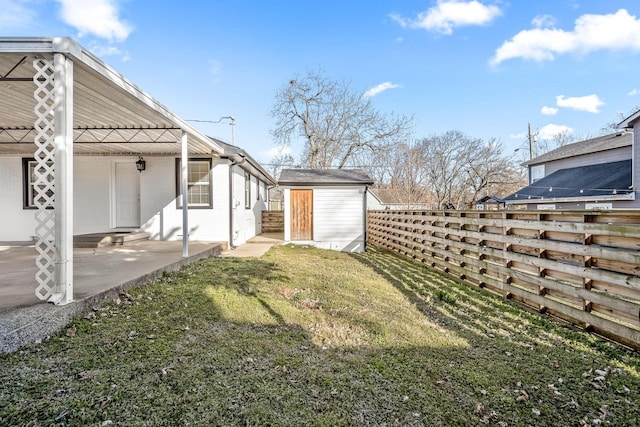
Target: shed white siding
x: 339, y: 218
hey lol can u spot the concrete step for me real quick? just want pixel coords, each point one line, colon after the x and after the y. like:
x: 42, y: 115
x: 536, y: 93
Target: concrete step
x: 101, y: 240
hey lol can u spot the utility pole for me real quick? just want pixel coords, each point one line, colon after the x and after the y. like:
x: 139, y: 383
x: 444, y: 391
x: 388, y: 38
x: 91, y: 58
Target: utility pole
x: 532, y: 141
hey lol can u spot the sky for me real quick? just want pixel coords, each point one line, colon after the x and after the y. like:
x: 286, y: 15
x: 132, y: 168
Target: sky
x: 486, y: 68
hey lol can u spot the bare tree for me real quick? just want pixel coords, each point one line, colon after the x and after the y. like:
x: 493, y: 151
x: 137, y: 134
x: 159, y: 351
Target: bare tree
x: 334, y: 121
x: 279, y: 162
x: 408, y: 175
x: 446, y: 157
x: 460, y: 169
x: 560, y: 139
x: 490, y: 173
x: 612, y: 126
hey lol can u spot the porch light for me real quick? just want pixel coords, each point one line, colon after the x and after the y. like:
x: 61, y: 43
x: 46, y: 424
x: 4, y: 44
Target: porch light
x: 141, y: 164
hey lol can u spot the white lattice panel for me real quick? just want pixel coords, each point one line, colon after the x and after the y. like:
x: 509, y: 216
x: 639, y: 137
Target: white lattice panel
x: 44, y: 191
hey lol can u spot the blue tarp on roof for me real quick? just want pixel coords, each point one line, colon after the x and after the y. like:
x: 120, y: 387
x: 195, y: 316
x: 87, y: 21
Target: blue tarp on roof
x: 606, y: 179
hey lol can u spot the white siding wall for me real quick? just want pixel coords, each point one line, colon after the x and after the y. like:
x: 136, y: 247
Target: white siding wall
x: 160, y: 215
x: 247, y: 223
x: 373, y: 204
x: 16, y: 224
x: 93, y: 200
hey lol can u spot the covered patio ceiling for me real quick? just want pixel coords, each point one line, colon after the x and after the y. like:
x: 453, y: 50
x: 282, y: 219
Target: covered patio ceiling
x: 111, y: 115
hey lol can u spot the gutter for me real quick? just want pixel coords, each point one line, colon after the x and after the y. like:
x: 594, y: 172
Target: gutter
x: 614, y: 197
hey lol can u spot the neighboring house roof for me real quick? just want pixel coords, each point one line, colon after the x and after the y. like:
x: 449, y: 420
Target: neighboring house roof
x: 391, y: 196
x: 629, y: 121
x: 491, y: 199
x: 238, y: 154
x: 594, y: 145
x: 601, y: 181
x: 315, y: 177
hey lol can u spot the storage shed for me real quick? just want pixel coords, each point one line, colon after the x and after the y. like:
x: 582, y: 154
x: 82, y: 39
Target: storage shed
x: 326, y: 208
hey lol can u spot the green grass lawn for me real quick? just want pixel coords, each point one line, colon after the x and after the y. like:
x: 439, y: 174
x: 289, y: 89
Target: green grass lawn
x: 309, y: 337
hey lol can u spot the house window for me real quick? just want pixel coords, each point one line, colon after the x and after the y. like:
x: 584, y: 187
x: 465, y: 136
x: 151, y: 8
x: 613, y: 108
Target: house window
x: 29, y: 182
x: 537, y: 172
x: 257, y: 189
x: 199, y: 186
x: 247, y: 190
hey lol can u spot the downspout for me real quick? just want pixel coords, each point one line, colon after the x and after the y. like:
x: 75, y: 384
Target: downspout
x: 232, y: 162
x: 366, y: 217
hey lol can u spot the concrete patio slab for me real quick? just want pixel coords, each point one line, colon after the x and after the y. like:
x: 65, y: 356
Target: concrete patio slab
x: 99, y: 275
x: 256, y: 246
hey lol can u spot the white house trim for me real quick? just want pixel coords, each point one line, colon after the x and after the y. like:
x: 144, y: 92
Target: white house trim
x: 63, y: 161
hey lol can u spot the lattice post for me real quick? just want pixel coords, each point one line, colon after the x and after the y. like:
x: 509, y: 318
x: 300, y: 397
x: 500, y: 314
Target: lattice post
x: 44, y: 190
x: 53, y: 184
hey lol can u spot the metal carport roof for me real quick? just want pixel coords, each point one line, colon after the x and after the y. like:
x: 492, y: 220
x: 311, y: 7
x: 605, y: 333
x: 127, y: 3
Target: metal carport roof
x: 58, y: 101
x: 111, y: 114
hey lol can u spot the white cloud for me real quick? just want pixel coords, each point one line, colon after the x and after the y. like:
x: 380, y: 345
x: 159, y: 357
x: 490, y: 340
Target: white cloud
x: 380, y: 88
x: 96, y: 17
x: 15, y: 14
x: 551, y: 130
x: 617, y: 31
x: 589, y: 103
x: 542, y: 21
x: 549, y: 111
x: 634, y: 92
x: 448, y: 14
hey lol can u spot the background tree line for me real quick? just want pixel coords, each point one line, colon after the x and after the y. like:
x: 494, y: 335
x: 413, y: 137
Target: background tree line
x: 340, y: 128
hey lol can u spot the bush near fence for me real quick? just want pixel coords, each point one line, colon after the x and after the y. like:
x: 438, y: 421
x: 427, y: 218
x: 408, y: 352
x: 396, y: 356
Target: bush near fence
x: 581, y: 266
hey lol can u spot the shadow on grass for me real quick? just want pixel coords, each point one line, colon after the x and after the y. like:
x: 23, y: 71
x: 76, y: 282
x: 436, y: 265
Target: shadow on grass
x: 478, y: 314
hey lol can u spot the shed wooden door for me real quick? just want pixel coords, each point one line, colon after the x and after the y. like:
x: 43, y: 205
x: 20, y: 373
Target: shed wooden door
x: 301, y: 214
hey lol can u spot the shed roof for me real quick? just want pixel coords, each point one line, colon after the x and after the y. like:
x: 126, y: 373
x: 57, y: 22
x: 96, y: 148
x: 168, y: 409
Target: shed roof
x: 594, y: 145
x: 594, y: 182
x: 316, y: 177
x: 111, y: 115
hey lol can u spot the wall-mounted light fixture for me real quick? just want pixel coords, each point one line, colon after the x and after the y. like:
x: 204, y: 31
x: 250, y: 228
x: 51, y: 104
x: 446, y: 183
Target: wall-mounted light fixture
x: 141, y: 164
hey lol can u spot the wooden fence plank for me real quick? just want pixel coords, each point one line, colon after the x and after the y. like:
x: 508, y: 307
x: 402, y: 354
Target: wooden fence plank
x: 547, y: 260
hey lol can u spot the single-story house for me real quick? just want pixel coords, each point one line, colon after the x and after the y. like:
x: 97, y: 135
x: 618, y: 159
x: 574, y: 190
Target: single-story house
x: 83, y: 150
x: 598, y: 173
x: 392, y: 199
x: 326, y: 208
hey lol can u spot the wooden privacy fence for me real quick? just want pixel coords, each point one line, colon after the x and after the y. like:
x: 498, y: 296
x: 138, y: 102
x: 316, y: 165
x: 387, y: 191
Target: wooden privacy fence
x: 581, y: 266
